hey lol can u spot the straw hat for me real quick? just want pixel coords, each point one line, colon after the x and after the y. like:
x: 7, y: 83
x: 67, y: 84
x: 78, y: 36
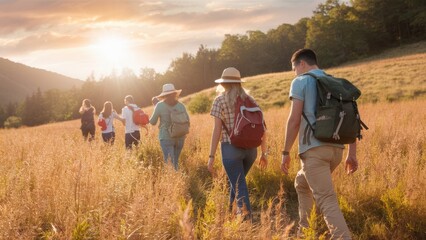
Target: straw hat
x: 230, y: 75
x: 169, y: 89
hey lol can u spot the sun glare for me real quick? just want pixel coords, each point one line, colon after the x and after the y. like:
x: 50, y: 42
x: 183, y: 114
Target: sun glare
x: 112, y: 49
x: 112, y: 53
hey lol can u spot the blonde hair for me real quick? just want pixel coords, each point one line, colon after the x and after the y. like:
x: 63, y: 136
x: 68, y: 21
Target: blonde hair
x: 86, y: 103
x: 231, y: 91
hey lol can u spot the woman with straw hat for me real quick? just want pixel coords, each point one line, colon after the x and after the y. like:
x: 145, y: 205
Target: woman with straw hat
x: 164, y: 110
x: 236, y: 161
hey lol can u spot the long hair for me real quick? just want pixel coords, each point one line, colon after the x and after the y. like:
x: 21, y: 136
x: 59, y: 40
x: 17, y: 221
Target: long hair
x: 231, y: 91
x: 107, y: 110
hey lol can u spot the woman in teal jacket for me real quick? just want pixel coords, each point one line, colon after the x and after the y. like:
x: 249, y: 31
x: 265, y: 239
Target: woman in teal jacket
x: 165, y: 109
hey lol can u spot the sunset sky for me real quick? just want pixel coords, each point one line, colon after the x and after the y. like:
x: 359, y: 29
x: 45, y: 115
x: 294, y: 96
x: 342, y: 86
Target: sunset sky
x: 79, y: 37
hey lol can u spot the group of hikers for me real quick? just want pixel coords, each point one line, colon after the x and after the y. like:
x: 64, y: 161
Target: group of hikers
x: 164, y: 103
x: 319, y: 159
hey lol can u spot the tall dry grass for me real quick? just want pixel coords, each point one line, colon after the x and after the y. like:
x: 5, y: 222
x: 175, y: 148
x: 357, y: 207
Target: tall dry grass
x: 53, y: 185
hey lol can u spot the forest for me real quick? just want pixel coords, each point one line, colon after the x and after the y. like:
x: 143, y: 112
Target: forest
x: 338, y: 31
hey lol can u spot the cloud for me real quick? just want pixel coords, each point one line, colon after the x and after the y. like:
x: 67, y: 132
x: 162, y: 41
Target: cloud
x: 27, y: 16
x: 56, y: 32
x: 42, y: 42
x: 22, y: 15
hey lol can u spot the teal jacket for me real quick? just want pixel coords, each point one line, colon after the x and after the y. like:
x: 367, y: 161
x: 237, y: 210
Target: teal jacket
x: 162, y: 111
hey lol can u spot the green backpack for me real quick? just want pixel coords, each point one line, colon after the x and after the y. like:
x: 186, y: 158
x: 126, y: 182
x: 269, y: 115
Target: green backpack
x: 337, y: 116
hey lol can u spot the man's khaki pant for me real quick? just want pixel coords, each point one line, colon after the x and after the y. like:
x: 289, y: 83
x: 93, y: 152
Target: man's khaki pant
x: 313, y: 182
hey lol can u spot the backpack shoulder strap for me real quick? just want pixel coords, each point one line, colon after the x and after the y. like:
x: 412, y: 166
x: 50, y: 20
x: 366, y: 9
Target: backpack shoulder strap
x: 311, y: 74
x: 306, y: 118
x: 303, y: 113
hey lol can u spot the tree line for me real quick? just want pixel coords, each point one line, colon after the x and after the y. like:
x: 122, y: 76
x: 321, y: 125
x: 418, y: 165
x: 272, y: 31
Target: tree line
x: 338, y: 31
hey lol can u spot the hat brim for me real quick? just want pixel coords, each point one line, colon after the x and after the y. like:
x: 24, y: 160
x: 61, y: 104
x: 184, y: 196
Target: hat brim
x: 221, y: 80
x: 163, y: 94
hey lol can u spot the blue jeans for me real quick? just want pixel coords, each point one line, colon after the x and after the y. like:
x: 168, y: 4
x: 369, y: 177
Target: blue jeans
x: 131, y: 139
x: 237, y: 163
x: 172, y: 149
x: 108, y: 137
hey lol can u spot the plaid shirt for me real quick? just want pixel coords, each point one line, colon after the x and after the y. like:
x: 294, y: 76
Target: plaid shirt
x: 220, y: 109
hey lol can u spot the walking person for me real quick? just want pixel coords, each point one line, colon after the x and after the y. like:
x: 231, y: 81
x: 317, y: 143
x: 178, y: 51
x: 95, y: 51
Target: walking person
x: 108, y: 114
x: 313, y: 181
x: 132, y: 133
x: 87, y: 112
x: 236, y: 161
x: 167, y: 106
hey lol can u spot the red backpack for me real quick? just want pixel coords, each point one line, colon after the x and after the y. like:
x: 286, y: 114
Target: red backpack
x: 139, y: 116
x: 102, y: 124
x: 249, y: 125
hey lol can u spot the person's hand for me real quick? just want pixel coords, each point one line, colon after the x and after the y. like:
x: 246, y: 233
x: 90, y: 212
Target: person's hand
x: 351, y: 164
x: 210, y: 166
x: 263, y: 162
x: 285, y: 164
x: 146, y: 128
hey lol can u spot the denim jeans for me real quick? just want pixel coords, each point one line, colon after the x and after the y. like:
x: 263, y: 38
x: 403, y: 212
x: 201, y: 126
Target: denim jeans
x: 108, y: 137
x: 131, y: 139
x: 172, y: 149
x: 237, y: 163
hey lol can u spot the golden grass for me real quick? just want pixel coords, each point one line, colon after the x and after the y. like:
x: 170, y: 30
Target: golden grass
x: 394, y: 75
x: 55, y: 186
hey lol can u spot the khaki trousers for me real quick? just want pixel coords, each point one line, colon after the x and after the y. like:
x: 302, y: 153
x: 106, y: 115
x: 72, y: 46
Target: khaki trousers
x: 313, y: 182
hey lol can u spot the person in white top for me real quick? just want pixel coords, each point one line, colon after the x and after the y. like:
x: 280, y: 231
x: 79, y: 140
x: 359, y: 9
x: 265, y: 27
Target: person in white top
x: 108, y: 114
x: 132, y: 133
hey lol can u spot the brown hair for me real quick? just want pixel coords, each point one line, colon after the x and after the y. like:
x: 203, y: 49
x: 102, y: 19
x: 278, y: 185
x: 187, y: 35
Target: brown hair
x: 107, y: 110
x: 307, y: 55
x: 129, y: 98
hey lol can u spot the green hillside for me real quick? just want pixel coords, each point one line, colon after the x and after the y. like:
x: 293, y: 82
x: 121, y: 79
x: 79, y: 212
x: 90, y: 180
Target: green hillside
x: 390, y: 76
x: 18, y: 81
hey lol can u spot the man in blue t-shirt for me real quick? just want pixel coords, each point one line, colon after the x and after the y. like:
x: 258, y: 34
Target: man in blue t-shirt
x: 318, y: 159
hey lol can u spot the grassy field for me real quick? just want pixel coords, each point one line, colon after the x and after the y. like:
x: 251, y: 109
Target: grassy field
x: 391, y: 76
x: 53, y: 185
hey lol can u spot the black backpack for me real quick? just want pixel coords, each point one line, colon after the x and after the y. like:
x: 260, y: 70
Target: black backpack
x: 336, y: 113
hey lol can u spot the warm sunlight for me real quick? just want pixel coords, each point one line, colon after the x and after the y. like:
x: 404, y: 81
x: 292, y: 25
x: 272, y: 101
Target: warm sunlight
x: 113, y: 49
x: 112, y: 52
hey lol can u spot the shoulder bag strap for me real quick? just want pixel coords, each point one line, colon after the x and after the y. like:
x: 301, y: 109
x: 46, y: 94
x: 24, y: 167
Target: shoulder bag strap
x: 306, y: 118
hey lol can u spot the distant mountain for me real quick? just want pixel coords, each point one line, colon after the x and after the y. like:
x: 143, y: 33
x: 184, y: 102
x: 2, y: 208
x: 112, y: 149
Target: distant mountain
x: 18, y: 81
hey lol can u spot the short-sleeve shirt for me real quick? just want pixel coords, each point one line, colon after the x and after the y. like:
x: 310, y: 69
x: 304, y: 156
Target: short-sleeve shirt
x: 127, y: 114
x: 303, y: 88
x: 162, y: 111
x: 221, y: 110
x: 109, y: 121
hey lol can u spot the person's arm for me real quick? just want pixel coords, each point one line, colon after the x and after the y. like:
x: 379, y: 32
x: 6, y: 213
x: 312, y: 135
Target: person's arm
x: 351, y: 163
x: 293, y: 124
x: 117, y: 116
x: 82, y: 110
x: 263, y: 161
x: 217, y: 131
x: 123, y: 115
x: 154, y: 117
x: 187, y: 115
